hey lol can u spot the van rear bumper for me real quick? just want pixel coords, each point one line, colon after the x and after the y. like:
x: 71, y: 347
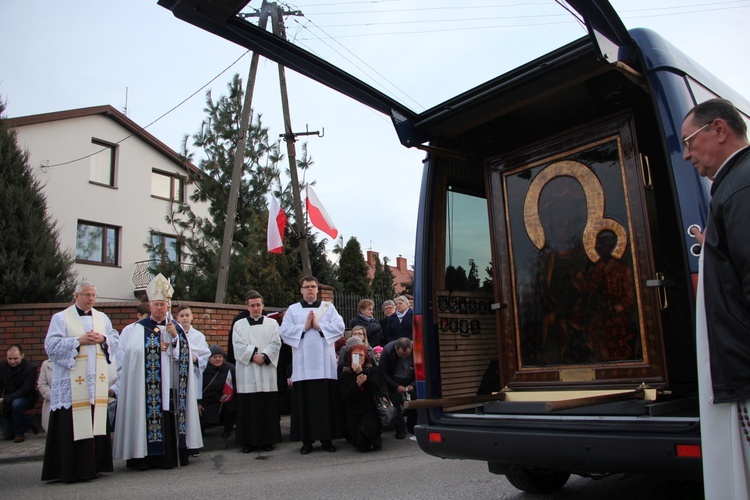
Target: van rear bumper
x: 577, y: 451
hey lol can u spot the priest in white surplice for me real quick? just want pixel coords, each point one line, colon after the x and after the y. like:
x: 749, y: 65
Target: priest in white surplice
x: 311, y: 327
x: 257, y: 345
x: 80, y: 344
x: 157, y: 411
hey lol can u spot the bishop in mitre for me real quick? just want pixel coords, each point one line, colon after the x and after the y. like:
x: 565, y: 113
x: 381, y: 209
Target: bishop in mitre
x: 157, y: 411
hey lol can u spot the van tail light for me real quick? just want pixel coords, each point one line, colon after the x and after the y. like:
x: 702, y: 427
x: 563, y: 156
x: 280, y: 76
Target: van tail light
x: 418, y: 354
x: 688, y: 450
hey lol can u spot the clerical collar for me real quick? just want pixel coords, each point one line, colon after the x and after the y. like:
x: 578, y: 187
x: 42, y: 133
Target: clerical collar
x: 160, y: 323
x: 254, y: 321
x: 81, y: 312
x: 314, y: 304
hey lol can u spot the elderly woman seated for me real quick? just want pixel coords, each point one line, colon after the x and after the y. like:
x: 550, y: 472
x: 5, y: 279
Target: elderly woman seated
x: 218, y: 405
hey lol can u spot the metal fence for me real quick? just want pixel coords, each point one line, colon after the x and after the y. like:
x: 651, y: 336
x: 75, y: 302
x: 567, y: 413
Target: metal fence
x: 346, y: 305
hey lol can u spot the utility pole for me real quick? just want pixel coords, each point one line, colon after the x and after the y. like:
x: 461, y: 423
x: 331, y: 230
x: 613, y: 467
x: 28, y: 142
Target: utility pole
x: 289, y: 137
x: 238, y: 160
x: 275, y: 12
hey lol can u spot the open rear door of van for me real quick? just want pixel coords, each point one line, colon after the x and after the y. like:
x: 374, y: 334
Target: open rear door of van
x: 224, y: 19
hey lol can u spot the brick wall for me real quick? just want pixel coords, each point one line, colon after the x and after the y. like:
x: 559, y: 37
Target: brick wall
x: 26, y: 324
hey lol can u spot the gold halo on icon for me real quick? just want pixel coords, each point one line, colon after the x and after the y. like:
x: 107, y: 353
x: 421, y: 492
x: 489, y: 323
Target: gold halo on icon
x: 595, y: 220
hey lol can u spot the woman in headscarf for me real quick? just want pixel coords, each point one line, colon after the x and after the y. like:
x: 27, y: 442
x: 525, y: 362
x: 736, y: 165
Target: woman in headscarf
x: 360, y: 387
x: 218, y: 404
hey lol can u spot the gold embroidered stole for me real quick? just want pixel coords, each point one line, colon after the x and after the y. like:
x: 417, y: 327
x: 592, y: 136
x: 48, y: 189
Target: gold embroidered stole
x: 82, y: 423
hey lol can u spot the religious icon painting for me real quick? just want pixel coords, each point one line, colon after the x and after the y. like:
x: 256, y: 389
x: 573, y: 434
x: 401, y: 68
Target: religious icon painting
x: 573, y: 236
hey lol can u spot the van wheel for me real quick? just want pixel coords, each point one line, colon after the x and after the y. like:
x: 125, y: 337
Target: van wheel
x: 538, y: 481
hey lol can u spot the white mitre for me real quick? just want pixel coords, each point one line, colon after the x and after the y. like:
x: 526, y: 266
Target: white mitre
x: 159, y: 288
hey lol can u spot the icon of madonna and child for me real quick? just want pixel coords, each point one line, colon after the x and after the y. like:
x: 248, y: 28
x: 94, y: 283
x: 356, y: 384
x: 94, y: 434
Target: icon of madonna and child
x: 575, y: 285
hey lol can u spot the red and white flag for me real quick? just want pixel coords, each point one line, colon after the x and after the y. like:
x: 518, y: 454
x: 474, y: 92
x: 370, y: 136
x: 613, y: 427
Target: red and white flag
x: 276, y: 226
x: 318, y: 215
x: 228, y: 388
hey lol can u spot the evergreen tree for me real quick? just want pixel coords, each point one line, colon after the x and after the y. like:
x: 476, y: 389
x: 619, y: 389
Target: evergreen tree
x: 407, y: 287
x: 353, y: 269
x: 382, y: 280
x: 456, y: 279
x: 251, y: 266
x: 487, y: 284
x: 33, y: 268
x: 473, y: 279
x: 202, y: 236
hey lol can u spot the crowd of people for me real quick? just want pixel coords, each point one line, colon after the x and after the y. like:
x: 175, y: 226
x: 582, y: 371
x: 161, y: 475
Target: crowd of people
x: 147, y: 394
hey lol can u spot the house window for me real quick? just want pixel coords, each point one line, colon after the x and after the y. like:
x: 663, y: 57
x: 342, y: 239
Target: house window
x: 102, y: 167
x: 165, y: 248
x: 97, y: 243
x: 167, y: 186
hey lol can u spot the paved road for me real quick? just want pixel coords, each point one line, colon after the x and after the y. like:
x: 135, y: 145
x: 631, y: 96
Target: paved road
x: 401, y: 470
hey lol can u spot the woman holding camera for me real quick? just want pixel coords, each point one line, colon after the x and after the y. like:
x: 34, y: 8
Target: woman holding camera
x: 360, y: 388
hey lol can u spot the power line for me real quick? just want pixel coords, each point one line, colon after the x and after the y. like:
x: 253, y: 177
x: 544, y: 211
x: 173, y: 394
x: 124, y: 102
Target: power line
x: 393, y: 85
x: 453, y: 20
x: 153, y: 122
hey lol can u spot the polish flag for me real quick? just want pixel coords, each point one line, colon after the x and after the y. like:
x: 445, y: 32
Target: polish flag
x: 276, y: 225
x: 318, y: 215
x: 228, y: 388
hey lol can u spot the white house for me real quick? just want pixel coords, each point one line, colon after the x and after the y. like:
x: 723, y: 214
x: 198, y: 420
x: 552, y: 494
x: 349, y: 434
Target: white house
x: 109, y: 183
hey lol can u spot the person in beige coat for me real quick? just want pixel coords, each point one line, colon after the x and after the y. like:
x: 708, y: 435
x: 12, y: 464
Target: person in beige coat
x: 43, y: 386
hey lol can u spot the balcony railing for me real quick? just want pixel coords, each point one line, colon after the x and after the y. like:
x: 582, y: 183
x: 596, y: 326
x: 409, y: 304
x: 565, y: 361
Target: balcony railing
x: 142, y: 274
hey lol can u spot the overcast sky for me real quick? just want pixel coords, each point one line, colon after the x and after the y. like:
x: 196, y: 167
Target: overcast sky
x: 60, y: 55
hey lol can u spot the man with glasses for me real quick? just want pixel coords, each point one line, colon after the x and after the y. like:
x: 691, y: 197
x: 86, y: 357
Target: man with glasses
x: 715, y: 139
x: 311, y: 327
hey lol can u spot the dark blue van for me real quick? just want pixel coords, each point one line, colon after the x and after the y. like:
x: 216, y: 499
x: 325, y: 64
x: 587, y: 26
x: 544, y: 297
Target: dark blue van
x: 554, y: 276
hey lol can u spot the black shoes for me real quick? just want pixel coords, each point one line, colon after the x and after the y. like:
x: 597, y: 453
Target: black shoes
x: 328, y: 446
x: 400, y: 435
x: 267, y: 447
x: 248, y: 449
x: 324, y: 445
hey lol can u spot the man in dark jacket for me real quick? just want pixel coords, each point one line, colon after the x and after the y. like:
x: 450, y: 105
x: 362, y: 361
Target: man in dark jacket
x: 18, y: 388
x: 399, y: 324
x: 397, y: 369
x: 715, y: 139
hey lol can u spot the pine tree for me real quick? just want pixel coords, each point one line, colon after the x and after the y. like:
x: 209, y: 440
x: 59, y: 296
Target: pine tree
x: 487, y: 284
x: 353, y: 270
x: 251, y: 267
x: 33, y: 268
x: 473, y: 279
x: 382, y: 280
x: 202, y: 236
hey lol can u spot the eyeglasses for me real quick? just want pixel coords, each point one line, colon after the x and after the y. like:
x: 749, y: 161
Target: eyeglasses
x: 688, y: 141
